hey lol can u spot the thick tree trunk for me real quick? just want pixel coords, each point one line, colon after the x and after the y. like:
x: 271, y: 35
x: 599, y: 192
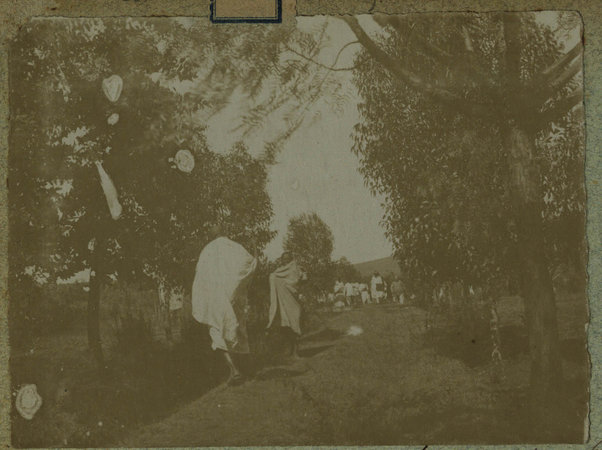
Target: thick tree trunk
x: 536, y: 281
x: 96, y: 277
x: 540, y: 306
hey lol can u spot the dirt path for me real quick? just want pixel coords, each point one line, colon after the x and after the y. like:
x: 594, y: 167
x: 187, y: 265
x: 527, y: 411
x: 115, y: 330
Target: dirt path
x: 322, y: 399
x: 383, y: 386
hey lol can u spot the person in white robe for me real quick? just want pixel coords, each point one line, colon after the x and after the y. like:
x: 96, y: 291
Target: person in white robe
x: 339, y: 292
x: 219, y: 296
x: 365, y: 293
x: 349, y: 292
x: 377, y: 288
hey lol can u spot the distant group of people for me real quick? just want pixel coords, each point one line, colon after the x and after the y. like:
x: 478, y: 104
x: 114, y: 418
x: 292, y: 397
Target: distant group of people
x: 219, y: 298
x: 349, y: 293
x: 357, y: 293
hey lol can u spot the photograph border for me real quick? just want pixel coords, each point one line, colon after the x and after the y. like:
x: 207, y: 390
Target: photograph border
x: 249, y: 19
x: 15, y: 13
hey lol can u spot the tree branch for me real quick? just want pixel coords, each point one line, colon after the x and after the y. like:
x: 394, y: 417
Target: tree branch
x: 554, y: 69
x: 566, y: 76
x: 560, y: 108
x: 385, y: 20
x: 557, y: 75
x: 464, y: 69
x: 396, y: 68
x: 331, y: 67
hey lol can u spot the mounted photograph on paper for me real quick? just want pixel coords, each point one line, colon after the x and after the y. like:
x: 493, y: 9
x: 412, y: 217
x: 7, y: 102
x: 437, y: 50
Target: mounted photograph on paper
x: 346, y: 230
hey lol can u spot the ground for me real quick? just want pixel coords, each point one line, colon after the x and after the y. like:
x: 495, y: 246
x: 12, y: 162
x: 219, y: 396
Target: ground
x: 402, y: 380
x: 383, y: 386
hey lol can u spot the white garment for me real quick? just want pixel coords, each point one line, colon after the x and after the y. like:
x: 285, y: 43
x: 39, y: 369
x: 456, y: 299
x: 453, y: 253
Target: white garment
x: 217, y: 340
x: 219, y: 292
x: 365, y: 297
x: 377, y: 293
x: 349, y: 290
x: 339, y: 287
x: 110, y: 192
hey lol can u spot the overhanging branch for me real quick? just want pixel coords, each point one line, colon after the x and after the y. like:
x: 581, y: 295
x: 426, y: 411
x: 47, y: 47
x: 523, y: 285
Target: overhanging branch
x: 462, y: 66
x: 560, y: 108
x: 556, y: 76
x: 566, y: 75
x: 396, y: 68
x: 332, y: 66
x: 555, y: 69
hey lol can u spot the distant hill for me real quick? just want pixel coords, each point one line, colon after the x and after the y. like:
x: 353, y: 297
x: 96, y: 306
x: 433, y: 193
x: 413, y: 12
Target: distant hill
x: 383, y: 265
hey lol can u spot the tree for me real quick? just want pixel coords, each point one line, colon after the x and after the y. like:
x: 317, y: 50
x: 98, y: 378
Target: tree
x: 176, y: 73
x: 470, y: 78
x: 343, y: 270
x: 62, y: 124
x: 452, y: 135
x: 311, y: 241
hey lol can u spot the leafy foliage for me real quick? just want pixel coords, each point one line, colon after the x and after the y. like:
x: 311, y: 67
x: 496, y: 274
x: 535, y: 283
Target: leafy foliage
x: 445, y: 174
x: 311, y: 242
x: 343, y: 270
x: 171, y: 78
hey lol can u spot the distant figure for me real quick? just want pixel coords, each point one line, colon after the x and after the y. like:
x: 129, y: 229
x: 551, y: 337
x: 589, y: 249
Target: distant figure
x: 171, y: 298
x: 339, y: 287
x: 397, y: 291
x: 285, y: 310
x: 377, y: 288
x: 356, y: 294
x: 339, y: 292
x: 322, y: 297
x: 386, y: 290
x: 365, y: 293
x: 349, y: 292
x: 219, y: 296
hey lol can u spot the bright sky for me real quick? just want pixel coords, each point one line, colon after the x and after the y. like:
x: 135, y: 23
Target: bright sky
x: 316, y: 170
x: 550, y: 18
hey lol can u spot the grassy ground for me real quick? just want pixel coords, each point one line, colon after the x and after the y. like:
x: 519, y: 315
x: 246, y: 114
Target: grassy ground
x: 396, y: 383
x: 389, y: 385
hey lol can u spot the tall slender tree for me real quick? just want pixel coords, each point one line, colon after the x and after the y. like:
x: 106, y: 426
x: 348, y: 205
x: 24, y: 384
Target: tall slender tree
x: 478, y: 94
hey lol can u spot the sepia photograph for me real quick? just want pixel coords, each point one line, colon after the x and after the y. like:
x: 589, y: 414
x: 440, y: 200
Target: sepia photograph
x: 341, y: 230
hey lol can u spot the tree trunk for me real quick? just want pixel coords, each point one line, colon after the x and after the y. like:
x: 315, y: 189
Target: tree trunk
x: 536, y: 281
x: 96, y: 277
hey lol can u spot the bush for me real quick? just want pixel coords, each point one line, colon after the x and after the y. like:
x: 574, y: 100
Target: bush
x: 40, y: 310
